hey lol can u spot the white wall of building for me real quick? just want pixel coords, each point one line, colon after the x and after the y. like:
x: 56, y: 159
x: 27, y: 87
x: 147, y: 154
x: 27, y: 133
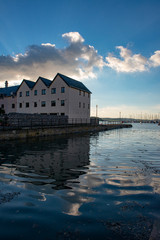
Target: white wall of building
x: 23, y: 99
x: 9, y: 104
x: 80, y: 102
x: 39, y: 98
x: 58, y: 83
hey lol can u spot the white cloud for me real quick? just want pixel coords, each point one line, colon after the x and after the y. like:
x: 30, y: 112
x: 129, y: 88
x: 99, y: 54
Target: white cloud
x: 76, y: 60
x: 48, y: 44
x: 155, y: 59
x: 128, y: 62
x: 73, y: 37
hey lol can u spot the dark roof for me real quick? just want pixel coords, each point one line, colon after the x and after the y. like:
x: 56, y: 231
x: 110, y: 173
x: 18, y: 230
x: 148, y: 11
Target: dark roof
x: 46, y: 81
x: 29, y: 83
x: 73, y: 83
x: 8, y: 91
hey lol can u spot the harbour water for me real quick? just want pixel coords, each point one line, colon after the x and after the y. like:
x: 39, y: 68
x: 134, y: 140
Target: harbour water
x: 104, y: 185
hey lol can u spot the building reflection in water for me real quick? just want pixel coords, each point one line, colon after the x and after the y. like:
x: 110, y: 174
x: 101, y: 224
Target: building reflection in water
x: 47, y: 165
x: 54, y: 160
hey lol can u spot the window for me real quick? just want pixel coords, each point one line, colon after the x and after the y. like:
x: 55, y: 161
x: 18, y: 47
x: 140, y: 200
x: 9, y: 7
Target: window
x: 79, y: 92
x: 62, y: 103
x: 27, y: 104
x: 88, y: 95
x: 83, y: 93
x: 62, y: 89
x: 13, y: 105
x: 55, y: 114
x: 53, y: 90
x: 20, y: 94
x: 2, y: 106
x: 20, y: 105
x: 35, y: 92
x: 62, y: 114
x: 79, y: 104
x: 43, y: 104
x: 88, y: 106
x: 83, y: 105
x: 43, y: 91
x: 53, y: 103
x: 27, y: 93
x: 35, y: 104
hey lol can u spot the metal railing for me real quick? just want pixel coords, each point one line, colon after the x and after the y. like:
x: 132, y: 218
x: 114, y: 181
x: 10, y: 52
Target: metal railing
x: 29, y: 121
x: 41, y: 123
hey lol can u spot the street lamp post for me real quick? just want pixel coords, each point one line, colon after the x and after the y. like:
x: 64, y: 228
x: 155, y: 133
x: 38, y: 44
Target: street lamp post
x: 97, y: 114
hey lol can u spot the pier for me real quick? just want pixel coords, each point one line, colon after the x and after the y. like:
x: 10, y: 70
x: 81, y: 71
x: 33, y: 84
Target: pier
x: 9, y: 134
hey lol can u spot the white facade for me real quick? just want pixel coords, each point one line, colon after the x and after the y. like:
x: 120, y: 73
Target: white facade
x: 9, y: 104
x: 62, y: 96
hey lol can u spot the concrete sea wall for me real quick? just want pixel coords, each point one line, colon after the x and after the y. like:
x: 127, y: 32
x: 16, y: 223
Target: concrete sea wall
x: 38, y: 132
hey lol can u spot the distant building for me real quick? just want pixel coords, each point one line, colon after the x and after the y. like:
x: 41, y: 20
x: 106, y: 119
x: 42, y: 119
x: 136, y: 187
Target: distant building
x: 61, y: 96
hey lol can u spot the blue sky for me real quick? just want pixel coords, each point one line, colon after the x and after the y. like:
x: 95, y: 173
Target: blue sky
x: 112, y: 46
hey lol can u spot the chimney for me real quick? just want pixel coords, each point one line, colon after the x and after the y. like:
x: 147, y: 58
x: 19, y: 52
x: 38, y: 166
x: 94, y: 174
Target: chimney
x: 6, y: 84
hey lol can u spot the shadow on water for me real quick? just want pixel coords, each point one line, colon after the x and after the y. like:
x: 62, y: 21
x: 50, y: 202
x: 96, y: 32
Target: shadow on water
x: 54, y: 160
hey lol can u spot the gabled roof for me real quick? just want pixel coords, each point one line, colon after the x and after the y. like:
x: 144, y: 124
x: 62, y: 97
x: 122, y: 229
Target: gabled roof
x: 9, y: 91
x: 73, y: 83
x: 29, y: 83
x: 46, y: 81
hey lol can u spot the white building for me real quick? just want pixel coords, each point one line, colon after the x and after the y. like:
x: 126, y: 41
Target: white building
x: 62, y: 96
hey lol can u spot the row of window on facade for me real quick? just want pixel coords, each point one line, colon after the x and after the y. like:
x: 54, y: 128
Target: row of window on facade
x: 43, y: 92
x: 43, y: 104
x: 56, y: 114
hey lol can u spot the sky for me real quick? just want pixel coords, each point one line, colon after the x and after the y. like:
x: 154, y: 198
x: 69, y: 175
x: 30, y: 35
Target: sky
x: 112, y: 46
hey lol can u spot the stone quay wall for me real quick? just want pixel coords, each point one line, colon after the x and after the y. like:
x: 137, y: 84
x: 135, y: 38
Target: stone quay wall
x: 49, y: 131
